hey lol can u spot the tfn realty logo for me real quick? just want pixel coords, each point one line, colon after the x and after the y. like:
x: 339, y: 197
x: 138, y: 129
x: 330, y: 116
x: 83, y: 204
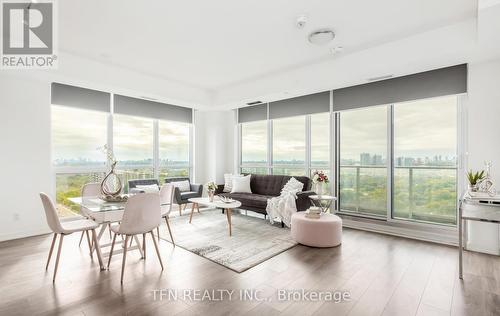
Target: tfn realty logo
x: 28, y: 35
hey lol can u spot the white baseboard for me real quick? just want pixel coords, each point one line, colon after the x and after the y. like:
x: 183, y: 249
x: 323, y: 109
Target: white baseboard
x: 24, y: 234
x: 475, y: 248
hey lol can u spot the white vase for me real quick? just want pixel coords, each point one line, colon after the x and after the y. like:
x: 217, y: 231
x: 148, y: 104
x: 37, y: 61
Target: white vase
x: 319, y: 188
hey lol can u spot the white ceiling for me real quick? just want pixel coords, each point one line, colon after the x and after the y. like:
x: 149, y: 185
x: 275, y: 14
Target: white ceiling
x: 223, y: 47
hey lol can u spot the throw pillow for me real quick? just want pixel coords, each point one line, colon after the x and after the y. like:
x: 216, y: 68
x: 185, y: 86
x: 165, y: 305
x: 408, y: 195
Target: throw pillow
x: 293, y: 185
x: 228, y: 181
x: 149, y: 188
x: 241, y: 185
x: 182, y: 185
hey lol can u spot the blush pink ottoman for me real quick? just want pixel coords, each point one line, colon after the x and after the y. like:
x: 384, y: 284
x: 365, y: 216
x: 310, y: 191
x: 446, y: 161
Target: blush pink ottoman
x: 323, y: 232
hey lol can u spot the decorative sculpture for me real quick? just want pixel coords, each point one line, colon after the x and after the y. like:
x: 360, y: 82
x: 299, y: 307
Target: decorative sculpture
x: 111, y: 185
x: 111, y: 182
x: 486, y: 185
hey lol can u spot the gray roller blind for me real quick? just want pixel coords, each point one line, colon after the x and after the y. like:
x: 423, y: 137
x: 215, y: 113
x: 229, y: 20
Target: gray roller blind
x: 145, y: 108
x: 252, y: 113
x: 71, y: 96
x: 434, y: 83
x: 308, y: 104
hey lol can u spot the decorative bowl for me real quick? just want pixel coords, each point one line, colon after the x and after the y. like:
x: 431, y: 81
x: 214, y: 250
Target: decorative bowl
x: 226, y: 200
x: 111, y: 198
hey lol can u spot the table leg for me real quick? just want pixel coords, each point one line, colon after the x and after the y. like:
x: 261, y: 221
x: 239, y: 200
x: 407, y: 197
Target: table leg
x: 228, y: 214
x: 99, y: 236
x: 192, y: 211
x: 98, y: 249
x: 460, y: 243
x: 328, y: 207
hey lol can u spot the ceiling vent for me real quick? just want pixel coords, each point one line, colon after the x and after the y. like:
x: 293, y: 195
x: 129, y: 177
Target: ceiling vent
x: 148, y: 98
x: 254, y: 102
x: 380, y: 78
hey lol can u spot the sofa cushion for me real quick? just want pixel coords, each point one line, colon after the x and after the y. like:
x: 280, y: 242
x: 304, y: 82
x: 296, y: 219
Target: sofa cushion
x: 272, y: 184
x: 188, y: 195
x: 249, y: 199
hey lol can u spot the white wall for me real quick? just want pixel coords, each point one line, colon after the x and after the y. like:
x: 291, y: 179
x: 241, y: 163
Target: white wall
x: 214, y: 145
x: 25, y: 156
x: 483, y: 141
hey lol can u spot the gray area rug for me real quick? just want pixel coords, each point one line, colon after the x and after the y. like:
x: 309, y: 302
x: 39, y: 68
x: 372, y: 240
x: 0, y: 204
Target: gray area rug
x: 254, y: 240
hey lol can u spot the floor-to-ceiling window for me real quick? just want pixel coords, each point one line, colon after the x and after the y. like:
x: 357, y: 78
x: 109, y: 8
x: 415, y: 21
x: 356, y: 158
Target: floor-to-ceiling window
x: 133, y: 147
x: 363, y: 161
x: 174, y: 149
x: 254, y: 147
x: 289, y: 146
x: 293, y: 152
x: 394, y: 162
x: 144, y: 147
x: 76, y: 136
x: 320, y: 145
x: 425, y: 160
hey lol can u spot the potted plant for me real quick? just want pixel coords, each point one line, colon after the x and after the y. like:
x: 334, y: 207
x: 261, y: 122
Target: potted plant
x: 474, y: 179
x: 211, y: 188
x: 319, y: 178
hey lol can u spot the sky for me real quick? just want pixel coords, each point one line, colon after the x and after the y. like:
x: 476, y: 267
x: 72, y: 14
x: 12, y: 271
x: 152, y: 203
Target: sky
x: 78, y: 133
x: 422, y: 128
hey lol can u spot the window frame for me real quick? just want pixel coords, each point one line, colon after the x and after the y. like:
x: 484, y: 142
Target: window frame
x: 61, y: 170
x: 389, y: 218
x: 334, y: 165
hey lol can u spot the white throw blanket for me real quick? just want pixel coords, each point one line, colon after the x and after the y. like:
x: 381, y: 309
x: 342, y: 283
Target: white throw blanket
x: 284, y: 206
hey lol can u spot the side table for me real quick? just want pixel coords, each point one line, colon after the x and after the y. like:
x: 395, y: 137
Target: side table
x: 322, y: 201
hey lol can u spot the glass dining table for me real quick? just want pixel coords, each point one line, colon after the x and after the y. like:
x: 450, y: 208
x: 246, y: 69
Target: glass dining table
x: 104, y: 213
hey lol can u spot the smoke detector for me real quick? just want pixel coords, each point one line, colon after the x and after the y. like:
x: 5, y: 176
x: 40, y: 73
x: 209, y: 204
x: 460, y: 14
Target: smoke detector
x: 321, y: 37
x: 301, y: 21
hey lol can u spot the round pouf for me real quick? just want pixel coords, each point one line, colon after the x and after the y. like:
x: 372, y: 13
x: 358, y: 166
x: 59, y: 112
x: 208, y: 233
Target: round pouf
x: 323, y: 232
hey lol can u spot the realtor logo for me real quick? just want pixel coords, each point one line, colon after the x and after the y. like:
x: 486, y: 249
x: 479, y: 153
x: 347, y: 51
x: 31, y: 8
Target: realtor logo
x: 28, y: 35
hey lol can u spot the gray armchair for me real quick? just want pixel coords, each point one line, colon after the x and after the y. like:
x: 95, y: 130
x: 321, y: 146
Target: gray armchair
x: 181, y: 198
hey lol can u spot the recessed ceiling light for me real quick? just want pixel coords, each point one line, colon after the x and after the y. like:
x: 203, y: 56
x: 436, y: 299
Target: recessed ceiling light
x: 321, y: 37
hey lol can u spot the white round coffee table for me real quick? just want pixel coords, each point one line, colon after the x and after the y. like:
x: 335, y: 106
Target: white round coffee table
x: 228, y: 207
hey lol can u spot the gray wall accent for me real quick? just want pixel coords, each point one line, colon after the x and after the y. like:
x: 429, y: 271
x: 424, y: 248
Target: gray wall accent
x: 145, y: 108
x: 71, y: 96
x: 434, y: 83
x: 252, y: 113
x: 308, y: 104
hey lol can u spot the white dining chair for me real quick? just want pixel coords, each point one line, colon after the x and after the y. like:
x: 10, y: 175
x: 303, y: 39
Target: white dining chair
x: 65, y: 228
x: 167, y: 201
x: 90, y: 190
x: 142, y: 214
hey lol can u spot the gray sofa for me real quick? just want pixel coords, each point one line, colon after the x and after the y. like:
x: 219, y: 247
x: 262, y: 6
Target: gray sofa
x: 265, y: 187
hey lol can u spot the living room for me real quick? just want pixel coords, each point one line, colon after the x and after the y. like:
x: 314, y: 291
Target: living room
x: 306, y: 157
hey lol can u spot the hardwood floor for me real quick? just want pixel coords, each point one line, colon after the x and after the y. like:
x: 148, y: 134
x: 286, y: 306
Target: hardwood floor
x: 385, y: 275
